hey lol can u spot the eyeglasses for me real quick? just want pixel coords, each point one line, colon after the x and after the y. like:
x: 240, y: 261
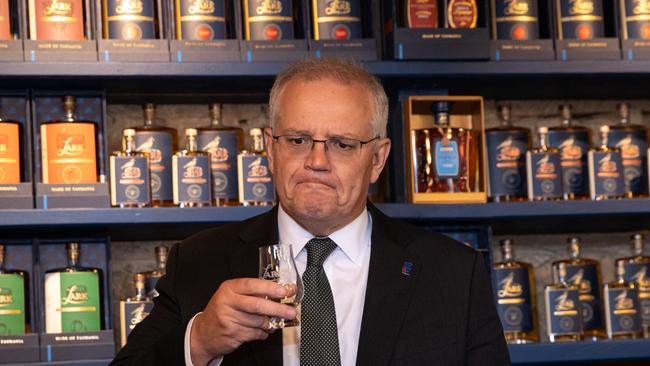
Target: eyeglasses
x: 338, y: 147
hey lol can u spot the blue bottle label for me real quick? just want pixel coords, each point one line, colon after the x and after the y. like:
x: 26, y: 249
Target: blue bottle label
x: 507, y: 162
x: 623, y: 310
x: 634, y: 149
x: 512, y: 288
x: 639, y: 273
x: 339, y: 19
x: 606, y: 174
x: 201, y: 20
x: 574, y: 147
x: 516, y: 20
x: 544, y: 175
x: 585, y: 276
x: 581, y: 19
x: 268, y: 20
x: 223, y: 149
x: 130, y: 20
x: 637, y: 19
x: 447, y: 158
x: 255, y: 179
x: 563, y: 313
x: 130, y: 180
x: 159, y: 146
x: 192, y: 183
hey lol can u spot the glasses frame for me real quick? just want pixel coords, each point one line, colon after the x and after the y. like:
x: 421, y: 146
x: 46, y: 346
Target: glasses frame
x: 324, y: 142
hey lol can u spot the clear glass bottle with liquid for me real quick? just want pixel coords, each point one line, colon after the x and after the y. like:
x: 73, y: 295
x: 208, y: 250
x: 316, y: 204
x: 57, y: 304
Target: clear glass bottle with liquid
x: 130, y: 176
x: 622, y: 309
x: 256, y: 186
x: 543, y: 168
x: 152, y: 277
x: 637, y: 270
x: 563, y: 309
x: 134, y: 309
x: 606, y: 179
x: 14, y: 299
x: 192, y: 180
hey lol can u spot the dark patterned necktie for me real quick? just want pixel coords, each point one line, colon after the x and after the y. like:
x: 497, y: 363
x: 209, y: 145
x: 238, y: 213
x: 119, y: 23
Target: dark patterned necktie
x: 319, y: 340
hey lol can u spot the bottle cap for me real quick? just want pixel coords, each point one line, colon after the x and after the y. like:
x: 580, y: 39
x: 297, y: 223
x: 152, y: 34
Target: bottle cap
x: 574, y: 246
x: 191, y: 132
x: 255, y: 132
x: 68, y: 103
x: 604, y: 129
x: 129, y: 132
x: 620, y: 268
x: 623, y: 110
x: 215, y: 110
x: 542, y: 130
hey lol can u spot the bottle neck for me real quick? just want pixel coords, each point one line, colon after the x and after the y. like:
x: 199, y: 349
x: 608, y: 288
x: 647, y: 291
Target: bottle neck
x: 258, y: 144
x: 637, y: 247
x: 2, y: 262
x: 140, y: 292
x: 161, y: 262
x: 543, y: 141
x: 442, y: 118
x: 507, y: 253
x: 191, y: 144
x: 69, y: 116
x: 128, y: 144
x: 73, y: 260
x: 604, y: 140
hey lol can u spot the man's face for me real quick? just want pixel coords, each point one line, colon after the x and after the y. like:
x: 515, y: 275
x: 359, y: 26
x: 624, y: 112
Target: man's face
x: 317, y: 188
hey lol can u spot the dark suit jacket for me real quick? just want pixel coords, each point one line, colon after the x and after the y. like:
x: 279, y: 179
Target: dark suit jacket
x: 441, y: 313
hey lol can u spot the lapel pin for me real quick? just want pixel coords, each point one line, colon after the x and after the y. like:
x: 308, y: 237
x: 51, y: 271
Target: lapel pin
x: 407, y: 267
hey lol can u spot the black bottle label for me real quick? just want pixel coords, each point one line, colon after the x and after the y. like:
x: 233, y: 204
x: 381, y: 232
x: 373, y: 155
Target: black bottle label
x: 544, y: 175
x: 268, y: 20
x: 574, y: 147
x: 512, y: 289
x: 507, y: 162
x: 586, y: 278
x: 563, y: 311
x: 637, y: 19
x: 223, y: 149
x: 622, y: 310
x: 130, y: 180
x: 634, y: 149
x: 159, y: 146
x: 606, y: 174
x: 129, y: 19
x: 192, y: 183
x: 581, y: 19
x: 516, y: 20
x: 201, y: 20
x: 131, y: 314
x: 639, y: 273
x: 339, y: 19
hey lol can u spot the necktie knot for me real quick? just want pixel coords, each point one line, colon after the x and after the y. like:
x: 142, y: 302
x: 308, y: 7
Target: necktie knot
x: 318, y: 249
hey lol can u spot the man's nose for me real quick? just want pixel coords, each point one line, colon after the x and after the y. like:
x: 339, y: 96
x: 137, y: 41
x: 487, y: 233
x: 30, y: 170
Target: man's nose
x: 317, y: 158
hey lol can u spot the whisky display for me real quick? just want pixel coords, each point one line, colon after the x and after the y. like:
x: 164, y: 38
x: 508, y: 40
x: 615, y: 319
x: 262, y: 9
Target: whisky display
x: 563, y: 315
x: 506, y: 152
x: 574, y: 143
x: 637, y: 270
x: 14, y: 299
x: 606, y: 179
x: 130, y: 177
x: 10, y: 151
x: 129, y: 19
x: 622, y: 307
x: 223, y: 144
x: 73, y: 296
x: 57, y: 20
x: 268, y: 20
x: 515, y: 20
x: 200, y: 20
x: 160, y: 142
x: 134, y: 309
x: 5, y: 21
x: 69, y: 148
x: 255, y: 181
x: 420, y: 13
x: 580, y: 19
x: 543, y: 166
x: 152, y: 277
x: 631, y: 139
x: 584, y: 273
x: 339, y: 20
x: 462, y: 14
x: 514, y: 284
x: 191, y: 174
x: 635, y: 19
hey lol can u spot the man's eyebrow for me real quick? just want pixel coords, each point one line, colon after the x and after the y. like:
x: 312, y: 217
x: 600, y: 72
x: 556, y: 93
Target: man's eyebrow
x: 291, y: 131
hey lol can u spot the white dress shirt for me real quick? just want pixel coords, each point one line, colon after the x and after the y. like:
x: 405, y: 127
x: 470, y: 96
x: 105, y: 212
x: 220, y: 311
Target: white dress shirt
x: 347, y: 272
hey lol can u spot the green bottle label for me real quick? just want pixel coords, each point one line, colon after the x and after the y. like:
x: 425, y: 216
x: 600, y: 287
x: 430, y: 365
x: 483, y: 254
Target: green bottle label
x: 72, y: 302
x: 12, y: 304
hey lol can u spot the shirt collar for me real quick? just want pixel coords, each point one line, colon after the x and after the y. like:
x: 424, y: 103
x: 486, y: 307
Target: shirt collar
x: 351, y: 238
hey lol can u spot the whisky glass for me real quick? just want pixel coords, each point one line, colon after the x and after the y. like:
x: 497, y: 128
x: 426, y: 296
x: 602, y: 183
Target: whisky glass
x: 277, y: 264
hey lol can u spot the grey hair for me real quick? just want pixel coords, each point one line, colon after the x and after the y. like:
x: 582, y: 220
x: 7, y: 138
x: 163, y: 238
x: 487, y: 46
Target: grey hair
x: 340, y: 70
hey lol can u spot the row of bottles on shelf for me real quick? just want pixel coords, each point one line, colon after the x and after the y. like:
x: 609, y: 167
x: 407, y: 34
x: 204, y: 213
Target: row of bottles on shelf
x: 577, y: 305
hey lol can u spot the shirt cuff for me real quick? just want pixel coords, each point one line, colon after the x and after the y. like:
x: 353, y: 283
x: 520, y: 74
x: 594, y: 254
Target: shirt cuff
x: 188, y: 354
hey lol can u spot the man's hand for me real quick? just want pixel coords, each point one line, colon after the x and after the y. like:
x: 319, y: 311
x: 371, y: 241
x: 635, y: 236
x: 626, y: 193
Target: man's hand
x: 238, y: 312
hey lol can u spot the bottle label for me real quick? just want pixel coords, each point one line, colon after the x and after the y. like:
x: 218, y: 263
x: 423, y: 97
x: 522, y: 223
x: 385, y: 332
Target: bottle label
x: 72, y: 302
x: 130, y: 180
x: 12, y: 304
x: 574, y: 147
x: 129, y: 20
x: 421, y: 13
x: 634, y: 149
x: 563, y: 313
x: 268, y: 20
x: 192, y: 182
x: 68, y: 153
x: 507, y: 162
x: 544, y: 176
x: 150, y: 285
x: 9, y: 153
x: 581, y: 19
x: 622, y: 310
x: 159, y: 146
x: 512, y: 287
x: 637, y: 19
x: 5, y: 21
x: 447, y: 158
x: 201, y: 20
x: 131, y: 314
x: 337, y: 19
x: 639, y: 273
x: 255, y: 179
x: 585, y: 276
x: 606, y: 174
x: 516, y: 20
x: 462, y: 14
x: 56, y: 20
x: 223, y: 148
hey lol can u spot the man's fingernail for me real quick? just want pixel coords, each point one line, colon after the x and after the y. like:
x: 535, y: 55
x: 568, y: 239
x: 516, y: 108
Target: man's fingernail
x: 281, y: 291
x: 291, y: 313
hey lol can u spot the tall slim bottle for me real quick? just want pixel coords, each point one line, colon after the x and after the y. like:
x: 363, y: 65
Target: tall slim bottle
x: 130, y: 177
x: 10, y: 150
x: 151, y: 277
x: 191, y: 174
x: 255, y: 180
x: 631, y: 139
x: 637, y: 270
x: 563, y: 309
x: 14, y: 299
x: 543, y: 170
x: 606, y: 179
x: 622, y: 309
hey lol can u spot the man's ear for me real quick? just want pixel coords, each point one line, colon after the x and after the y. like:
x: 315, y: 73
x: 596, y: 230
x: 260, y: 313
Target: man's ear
x: 268, y: 140
x: 379, y: 157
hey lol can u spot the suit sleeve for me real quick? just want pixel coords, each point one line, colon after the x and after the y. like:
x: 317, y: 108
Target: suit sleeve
x: 486, y: 344
x: 159, y: 338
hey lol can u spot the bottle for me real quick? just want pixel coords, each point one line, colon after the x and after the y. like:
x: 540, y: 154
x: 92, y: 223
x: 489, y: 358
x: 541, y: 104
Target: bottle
x: 631, y: 139
x: 130, y: 20
x: 268, y: 20
x: 337, y: 20
x: 191, y: 174
x: 255, y: 181
x: 506, y: 151
x: 160, y: 142
x: 14, y: 299
x: 130, y: 179
x: 57, y: 20
x: 223, y: 144
x: 580, y: 19
x: 73, y: 296
x: 543, y: 170
x: 635, y: 20
x: 515, y: 20
x: 134, y: 309
x: 69, y: 148
x: 462, y: 14
x: 606, y: 170
x: 584, y: 273
x: 199, y: 20
x: 514, y: 284
x: 573, y: 142
x: 563, y: 315
x: 6, y: 19
x: 637, y: 270
x: 10, y: 151
x: 622, y: 307
x: 420, y: 13
x: 152, y: 277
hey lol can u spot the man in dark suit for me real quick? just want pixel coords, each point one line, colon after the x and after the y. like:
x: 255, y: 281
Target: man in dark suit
x: 377, y: 291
